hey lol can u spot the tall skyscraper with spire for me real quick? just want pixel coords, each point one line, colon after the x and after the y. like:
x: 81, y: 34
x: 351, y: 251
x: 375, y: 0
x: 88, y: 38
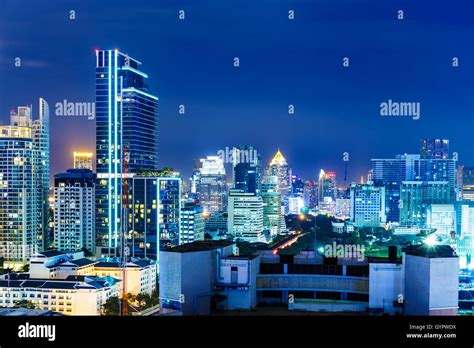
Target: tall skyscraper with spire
x: 279, y: 168
x: 24, y: 184
x: 126, y: 129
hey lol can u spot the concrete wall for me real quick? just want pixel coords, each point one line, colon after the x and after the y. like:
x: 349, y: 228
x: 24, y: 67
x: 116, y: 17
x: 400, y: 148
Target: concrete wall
x: 417, y: 285
x: 386, y: 283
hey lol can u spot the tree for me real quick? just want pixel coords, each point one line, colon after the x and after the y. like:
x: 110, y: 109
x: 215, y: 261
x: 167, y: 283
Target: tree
x: 111, y: 306
x: 25, y: 304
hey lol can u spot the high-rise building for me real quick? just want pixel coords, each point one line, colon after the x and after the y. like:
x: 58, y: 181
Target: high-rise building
x: 367, y: 207
x: 74, y: 210
x: 297, y: 186
x: 327, y: 187
x: 212, y: 184
x: 192, y: 223
x: 126, y: 128
x: 391, y: 172
x: 83, y: 160
x: 246, y: 169
x: 245, y: 216
x: 310, y: 194
x: 435, y: 148
x: 154, y: 212
x: 279, y: 167
x: 468, y: 183
x: 415, y: 196
x: 24, y: 184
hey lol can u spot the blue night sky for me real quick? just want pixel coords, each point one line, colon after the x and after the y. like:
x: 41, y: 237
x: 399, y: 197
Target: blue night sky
x: 283, y: 62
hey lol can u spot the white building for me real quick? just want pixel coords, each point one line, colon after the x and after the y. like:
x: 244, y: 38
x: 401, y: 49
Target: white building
x: 74, y: 210
x: 212, y: 188
x: 140, y: 274
x: 431, y: 280
x: 188, y: 275
x: 441, y: 217
x: 245, y: 216
x: 295, y: 204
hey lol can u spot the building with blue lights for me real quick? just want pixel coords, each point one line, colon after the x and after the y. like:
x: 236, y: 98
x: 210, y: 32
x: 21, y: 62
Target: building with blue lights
x: 126, y: 128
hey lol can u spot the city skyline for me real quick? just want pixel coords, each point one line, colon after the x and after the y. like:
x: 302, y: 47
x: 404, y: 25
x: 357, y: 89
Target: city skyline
x: 223, y: 109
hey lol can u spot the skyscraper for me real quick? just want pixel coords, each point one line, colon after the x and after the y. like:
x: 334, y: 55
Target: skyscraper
x: 24, y: 184
x: 279, y: 167
x: 126, y: 121
x: 411, y: 167
x: 154, y: 212
x: 74, y: 210
x: 327, y: 187
x: 246, y: 169
x: 212, y: 184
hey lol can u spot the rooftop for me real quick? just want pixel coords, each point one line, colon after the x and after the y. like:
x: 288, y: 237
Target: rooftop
x: 435, y: 251
x: 201, y: 245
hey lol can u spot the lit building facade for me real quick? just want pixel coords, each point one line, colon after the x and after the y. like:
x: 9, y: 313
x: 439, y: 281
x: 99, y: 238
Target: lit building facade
x: 327, y: 187
x: 126, y: 127
x: 83, y: 160
x: 245, y: 216
x: 415, y: 197
x: 212, y: 184
x: 74, y: 210
x: 246, y: 169
x: 192, y: 223
x: 367, y: 208
x: 279, y: 167
x: 24, y: 184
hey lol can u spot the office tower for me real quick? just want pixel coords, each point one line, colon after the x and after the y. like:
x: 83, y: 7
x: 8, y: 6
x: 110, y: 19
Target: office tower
x: 434, y: 148
x: 327, y: 186
x: 83, y: 160
x: 468, y: 183
x: 442, y: 218
x: 192, y: 223
x: 415, y: 196
x: 245, y: 216
x: 272, y: 212
x: 431, y: 280
x: 440, y: 170
x: 279, y: 167
x: 310, y: 194
x: 126, y: 121
x: 367, y: 207
x: 24, y: 184
x: 391, y: 172
x: 212, y: 184
x: 246, y: 169
x: 74, y: 210
x: 297, y: 186
x: 154, y: 212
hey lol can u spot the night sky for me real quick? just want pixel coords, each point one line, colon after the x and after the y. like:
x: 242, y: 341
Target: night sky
x: 282, y: 62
